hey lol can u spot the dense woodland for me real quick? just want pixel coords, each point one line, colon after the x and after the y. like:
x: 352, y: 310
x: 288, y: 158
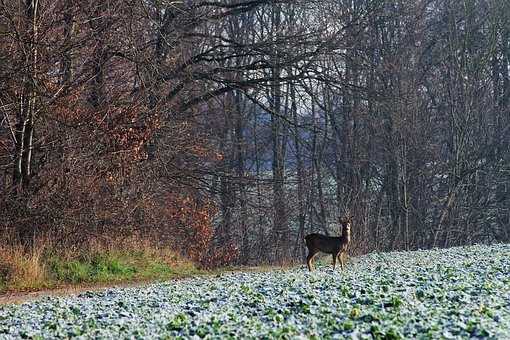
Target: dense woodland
x: 229, y: 129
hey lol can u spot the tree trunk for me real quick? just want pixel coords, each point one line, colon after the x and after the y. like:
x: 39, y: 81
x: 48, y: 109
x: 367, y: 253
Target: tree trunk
x: 27, y: 103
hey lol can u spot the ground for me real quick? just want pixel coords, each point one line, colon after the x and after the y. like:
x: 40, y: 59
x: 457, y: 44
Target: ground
x: 452, y: 293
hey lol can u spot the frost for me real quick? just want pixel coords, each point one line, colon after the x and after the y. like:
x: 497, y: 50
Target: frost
x: 454, y: 293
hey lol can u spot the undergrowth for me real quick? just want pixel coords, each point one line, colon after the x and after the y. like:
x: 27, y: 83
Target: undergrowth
x: 44, y: 265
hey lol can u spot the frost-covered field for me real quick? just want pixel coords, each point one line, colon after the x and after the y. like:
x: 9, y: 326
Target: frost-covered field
x: 453, y: 293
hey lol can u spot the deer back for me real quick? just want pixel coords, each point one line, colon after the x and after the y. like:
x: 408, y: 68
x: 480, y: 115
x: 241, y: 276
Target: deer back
x: 325, y: 244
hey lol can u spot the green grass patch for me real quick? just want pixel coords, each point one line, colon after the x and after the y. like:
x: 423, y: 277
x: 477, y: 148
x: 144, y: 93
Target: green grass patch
x: 115, y: 266
x: 23, y: 271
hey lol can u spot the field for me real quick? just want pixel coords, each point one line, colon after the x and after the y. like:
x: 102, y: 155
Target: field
x: 452, y: 293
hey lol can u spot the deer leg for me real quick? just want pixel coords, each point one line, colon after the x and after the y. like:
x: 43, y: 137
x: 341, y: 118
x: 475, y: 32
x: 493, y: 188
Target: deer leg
x: 309, y: 259
x: 334, y: 260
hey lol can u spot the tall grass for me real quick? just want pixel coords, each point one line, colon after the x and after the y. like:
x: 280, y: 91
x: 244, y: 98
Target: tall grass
x: 98, y: 260
x: 22, y: 268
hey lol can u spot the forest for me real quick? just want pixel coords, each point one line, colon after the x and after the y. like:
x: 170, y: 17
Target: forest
x: 227, y: 130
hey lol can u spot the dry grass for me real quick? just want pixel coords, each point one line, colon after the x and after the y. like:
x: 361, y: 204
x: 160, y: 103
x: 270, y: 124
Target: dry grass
x: 22, y: 268
x: 98, y: 260
x: 143, y: 246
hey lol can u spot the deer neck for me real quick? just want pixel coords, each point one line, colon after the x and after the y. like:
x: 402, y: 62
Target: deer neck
x: 346, y: 234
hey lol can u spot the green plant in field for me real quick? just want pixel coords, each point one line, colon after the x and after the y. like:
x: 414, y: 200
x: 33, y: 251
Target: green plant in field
x: 411, y: 295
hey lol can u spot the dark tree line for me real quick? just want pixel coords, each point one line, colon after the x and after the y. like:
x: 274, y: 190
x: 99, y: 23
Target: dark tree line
x: 230, y: 129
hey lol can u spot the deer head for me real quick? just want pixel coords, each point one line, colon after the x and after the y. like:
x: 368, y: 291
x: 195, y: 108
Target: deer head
x: 346, y: 222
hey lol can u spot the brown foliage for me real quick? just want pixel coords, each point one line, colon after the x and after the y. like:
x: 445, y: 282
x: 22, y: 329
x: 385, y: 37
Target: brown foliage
x: 93, y: 122
x: 191, y: 221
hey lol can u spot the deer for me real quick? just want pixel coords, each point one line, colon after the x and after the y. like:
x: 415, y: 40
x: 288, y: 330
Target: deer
x: 336, y: 246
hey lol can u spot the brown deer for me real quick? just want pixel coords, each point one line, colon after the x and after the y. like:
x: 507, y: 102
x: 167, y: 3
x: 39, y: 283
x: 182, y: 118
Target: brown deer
x: 336, y: 246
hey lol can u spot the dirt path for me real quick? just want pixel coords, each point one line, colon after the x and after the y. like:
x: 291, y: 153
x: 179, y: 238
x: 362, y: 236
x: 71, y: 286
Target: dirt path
x: 21, y: 297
